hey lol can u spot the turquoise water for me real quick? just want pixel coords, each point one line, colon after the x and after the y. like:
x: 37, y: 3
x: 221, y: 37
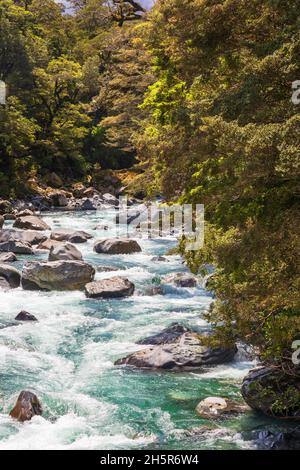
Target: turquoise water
x: 67, y: 360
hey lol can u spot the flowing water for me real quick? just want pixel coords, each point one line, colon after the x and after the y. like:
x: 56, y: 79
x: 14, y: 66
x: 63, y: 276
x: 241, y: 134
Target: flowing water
x: 67, y: 360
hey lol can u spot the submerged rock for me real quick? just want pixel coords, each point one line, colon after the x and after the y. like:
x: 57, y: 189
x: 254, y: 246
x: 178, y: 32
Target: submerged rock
x: 181, y: 280
x: 187, y: 352
x: 7, y: 257
x: 160, y: 259
x: 154, y: 290
x: 215, y: 407
x: 117, y: 246
x: 25, y: 316
x: 56, y: 275
x: 17, y: 247
x: 114, y: 287
x: 65, y: 251
x: 31, y: 222
x: 12, y: 275
x: 273, y: 392
x: 166, y: 336
x: 27, y: 406
x: 28, y: 236
x: 107, y: 269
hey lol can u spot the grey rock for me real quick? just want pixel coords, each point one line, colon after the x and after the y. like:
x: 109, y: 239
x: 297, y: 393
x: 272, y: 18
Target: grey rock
x: 188, y: 352
x: 12, y: 275
x: 56, y: 275
x: 166, y: 336
x: 114, y: 287
x: 65, y: 251
x: 216, y: 407
x: 181, y: 280
x: 25, y: 316
x: 78, y: 236
x: 17, y: 247
x: 31, y: 222
x: 117, y: 246
x: 28, y: 236
x: 7, y: 258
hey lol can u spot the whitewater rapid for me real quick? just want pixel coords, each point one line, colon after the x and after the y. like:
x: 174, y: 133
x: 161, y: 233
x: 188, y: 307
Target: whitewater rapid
x: 67, y: 360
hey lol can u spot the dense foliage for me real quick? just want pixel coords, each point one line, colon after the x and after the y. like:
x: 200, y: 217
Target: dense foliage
x: 223, y: 131
x: 74, y: 83
x: 211, y: 83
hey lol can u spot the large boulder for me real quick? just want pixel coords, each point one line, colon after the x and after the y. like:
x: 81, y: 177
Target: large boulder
x: 78, y: 236
x: 216, y: 407
x: 25, y: 213
x: 181, y: 280
x: 12, y: 275
x: 7, y: 258
x: 27, y: 406
x: 56, y: 275
x: 1, y: 221
x: 31, y: 222
x: 273, y: 392
x: 17, y: 247
x: 117, y: 246
x: 114, y: 287
x: 28, y: 236
x: 64, y: 251
x: 187, y: 352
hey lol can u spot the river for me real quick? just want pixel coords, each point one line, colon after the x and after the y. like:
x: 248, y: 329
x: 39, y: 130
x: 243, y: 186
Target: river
x: 67, y: 360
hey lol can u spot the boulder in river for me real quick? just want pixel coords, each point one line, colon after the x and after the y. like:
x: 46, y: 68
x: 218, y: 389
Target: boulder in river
x: 27, y: 406
x: 17, y: 247
x: 117, y: 246
x: 78, y: 236
x: 12, y: 275
x: 7, y: 257
x: 56, y: 275
x: 64, y: 251
x: 181, y: 280
x: 25, y: 316
x: 154, y: 290
x: 273, y: 392
x: 25, y: 213
x: 216, y: 407
x: 29, y: 236
x: 111, y: 288
x: 31, y: 222
x: 48, y: 244
x: 1, y: 221
x: 160, y: 259
x: 88, y: 205
x: 166, y: 336
x: 187, y: 352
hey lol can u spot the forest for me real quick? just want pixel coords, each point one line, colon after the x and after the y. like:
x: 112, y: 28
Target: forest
x: 198, y: 95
